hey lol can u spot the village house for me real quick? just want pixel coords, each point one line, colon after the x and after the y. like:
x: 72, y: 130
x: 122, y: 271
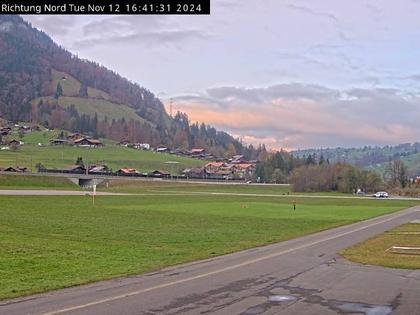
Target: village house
x: 124, y: 143
x: 127, y: 171
x: 161, y: 174
x: 214, y: 166
x: 162, y: 149
x: 14, y: 142
x: 5, y: 131
x: 141, y: 146
x: 24, y: 128
x: 243, y: 170
x: 75, y: 169
x: 74, y: 136
x: 197, y: 172
x: 237, y: 159
x: 237, y: 170
x: 98, y: 169
x: 17, y: 169
x: 225, y: 174
x: 180, y: 152
x: 137, y: 146
x: 199, y: 153
x: 85, y: 142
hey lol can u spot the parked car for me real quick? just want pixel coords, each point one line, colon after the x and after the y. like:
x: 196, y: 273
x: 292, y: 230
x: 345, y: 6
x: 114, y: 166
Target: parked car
x: 381, y: 194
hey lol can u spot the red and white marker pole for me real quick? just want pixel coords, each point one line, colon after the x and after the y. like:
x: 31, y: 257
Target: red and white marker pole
x: 93, y: 194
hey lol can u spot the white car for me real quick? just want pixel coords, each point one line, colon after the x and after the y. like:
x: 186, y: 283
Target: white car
x: 381, y: 194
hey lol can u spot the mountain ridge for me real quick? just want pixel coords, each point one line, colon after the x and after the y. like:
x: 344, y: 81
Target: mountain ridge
x: 28, y: 58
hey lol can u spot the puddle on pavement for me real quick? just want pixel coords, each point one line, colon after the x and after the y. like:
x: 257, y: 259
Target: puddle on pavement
x: 254, y: 310
x: 281, y: 298
x: 365, y: 309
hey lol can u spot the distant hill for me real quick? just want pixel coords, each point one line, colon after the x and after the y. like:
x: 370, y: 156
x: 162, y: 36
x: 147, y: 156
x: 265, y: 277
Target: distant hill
x: 368, y: 157
x: 44, y: 83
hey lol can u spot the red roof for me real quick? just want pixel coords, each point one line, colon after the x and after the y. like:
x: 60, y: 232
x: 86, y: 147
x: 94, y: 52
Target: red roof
x: 128, y: 171
x: 215, y: 164
x: 197, y: 150
x: 244, y: 165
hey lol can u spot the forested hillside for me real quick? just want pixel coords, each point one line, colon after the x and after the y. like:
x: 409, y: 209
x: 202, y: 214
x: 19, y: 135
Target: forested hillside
x: 376, y: 158
x: 44, y: 83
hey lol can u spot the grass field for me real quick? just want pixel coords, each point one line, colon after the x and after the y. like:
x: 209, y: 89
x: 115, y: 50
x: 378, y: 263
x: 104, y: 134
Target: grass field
x: 148, y: 186
x: 374, y: 251
x: 97, y: 101
x: 90, y: 106
x: 140, y: 186
x: 114, y: 156
x: 54, y: 242
x: 35, y: 182
x: 71, y: 86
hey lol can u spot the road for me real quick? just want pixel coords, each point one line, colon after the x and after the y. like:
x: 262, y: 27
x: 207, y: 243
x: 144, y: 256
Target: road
x: 50, y: 192
x: 300, y: 276
x: 152, y: 192
x: 135, y: 178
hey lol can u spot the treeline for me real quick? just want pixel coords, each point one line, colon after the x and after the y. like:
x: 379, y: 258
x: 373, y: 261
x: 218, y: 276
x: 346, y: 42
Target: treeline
x: 277, y: 167
x: 334, y: 177
x: 365, y: 156
x: 309, y: 173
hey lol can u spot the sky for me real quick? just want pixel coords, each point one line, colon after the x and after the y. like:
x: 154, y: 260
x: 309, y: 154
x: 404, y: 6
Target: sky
x: 291, y: 74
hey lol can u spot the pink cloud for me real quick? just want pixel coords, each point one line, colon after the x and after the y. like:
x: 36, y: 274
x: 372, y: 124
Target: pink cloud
x: 299, y: 122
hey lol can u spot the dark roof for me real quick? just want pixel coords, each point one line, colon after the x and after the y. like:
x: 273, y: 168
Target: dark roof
x: 156, y: 172
x: 75, y: 167
x: 59, y: 140
x: 15, y: 169
x: 91, y: 141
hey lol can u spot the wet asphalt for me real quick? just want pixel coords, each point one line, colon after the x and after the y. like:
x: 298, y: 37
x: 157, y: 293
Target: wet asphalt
x: 300, y: 276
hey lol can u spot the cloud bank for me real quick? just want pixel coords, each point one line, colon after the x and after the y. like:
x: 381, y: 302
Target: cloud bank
x: 297, y: 115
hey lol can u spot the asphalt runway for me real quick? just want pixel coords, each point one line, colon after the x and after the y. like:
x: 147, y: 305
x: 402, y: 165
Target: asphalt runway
x: 300, y: 276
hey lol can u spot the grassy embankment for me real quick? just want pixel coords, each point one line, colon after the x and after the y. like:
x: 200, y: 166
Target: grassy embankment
x: 35, y: 182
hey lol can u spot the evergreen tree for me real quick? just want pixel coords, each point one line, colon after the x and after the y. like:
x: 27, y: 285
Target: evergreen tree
x: 321, y: 160
x: 79, y: 161
x: 83, y: 91
x: 58, y: 91
x: 310, y: 160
